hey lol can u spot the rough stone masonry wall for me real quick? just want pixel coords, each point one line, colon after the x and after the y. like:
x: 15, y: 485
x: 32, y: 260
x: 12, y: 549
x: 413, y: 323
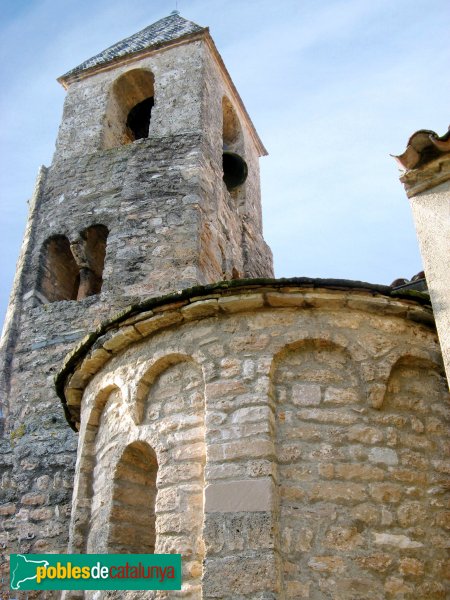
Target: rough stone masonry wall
x: 178, y: 82
x: 325, y: 420
x: 142, y: 214
x: 247, y: 253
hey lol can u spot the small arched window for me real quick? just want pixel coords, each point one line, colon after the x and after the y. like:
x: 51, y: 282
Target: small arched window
x: 235, y: 168
x: 58, y: 271
x: 129, y: 108
x: 132, y: 519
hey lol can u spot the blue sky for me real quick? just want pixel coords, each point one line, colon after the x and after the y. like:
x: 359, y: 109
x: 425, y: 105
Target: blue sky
x: 333, y: 88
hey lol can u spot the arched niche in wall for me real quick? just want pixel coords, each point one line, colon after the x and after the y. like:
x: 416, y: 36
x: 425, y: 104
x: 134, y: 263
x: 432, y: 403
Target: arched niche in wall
x: 132, y: 519
x: 171, y: 403
x: 235, y: 168
x: 129, y: 108
x: 58, y: 275
x: 317, y: 397
x: 412, y: 450
x: 145, y: 390
x: 81, y: 521
x: 109, y: 420
x: 231, y: 128
x: 416, y: 386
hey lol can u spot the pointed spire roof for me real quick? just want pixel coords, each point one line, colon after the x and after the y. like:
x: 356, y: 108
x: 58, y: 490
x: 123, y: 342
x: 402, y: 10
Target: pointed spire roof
x: 164, y: 31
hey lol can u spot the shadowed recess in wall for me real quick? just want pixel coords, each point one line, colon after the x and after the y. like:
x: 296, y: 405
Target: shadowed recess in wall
x: 84, y: 482
x: 317, y: 390
x: 58, y: 273
x: 235, y: 168
x: 72, y: 271
x: 132, y: 519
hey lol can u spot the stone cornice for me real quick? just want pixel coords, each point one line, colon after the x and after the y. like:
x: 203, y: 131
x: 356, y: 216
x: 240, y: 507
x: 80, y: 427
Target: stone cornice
x: 426, y: 161
x: 151, y: 316
x: 426, y: 177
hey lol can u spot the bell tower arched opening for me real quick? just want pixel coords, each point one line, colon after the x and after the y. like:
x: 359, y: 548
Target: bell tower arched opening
x: 72, y: 270
x: 235, y: 168
x: 129, y: 108
x: 58, y: 272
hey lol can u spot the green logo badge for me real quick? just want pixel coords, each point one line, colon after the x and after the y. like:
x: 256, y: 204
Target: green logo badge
x: 95, y: 572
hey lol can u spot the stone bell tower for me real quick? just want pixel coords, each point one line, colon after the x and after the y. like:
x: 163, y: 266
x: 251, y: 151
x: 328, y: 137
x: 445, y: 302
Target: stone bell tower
x: 154, y: 187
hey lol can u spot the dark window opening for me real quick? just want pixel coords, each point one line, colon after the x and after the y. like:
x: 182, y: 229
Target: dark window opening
x: 235, y: 168
x: 129, y: 108
x: 138, y: 120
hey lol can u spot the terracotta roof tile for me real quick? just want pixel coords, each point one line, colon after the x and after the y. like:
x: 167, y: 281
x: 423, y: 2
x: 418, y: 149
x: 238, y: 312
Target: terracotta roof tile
x: 423, y: 146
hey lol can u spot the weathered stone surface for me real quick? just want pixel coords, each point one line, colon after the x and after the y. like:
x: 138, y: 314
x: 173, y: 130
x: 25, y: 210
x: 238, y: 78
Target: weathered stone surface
x: 251, y: 495
x: 383, y: 455
x: 7, y: 509
x: 285, y: 300
x: 306, y: 395
x: 122, y: 339
x: 377, y: 562
x: 233, y: 304
x: 411, y: 566
x: 240, y: 574
x: 158, y: 322
x: 397, y: 541
x: 329, y: 564
x: 196, y: 310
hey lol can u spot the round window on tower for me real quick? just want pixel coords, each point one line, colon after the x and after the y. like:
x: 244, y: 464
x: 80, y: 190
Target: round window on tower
x: 235, y: 170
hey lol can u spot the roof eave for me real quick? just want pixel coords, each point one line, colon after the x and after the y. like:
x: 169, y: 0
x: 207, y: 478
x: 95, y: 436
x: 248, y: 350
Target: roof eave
x: 417, y: 151
x: 412, y: 300
x: 67, y: 80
